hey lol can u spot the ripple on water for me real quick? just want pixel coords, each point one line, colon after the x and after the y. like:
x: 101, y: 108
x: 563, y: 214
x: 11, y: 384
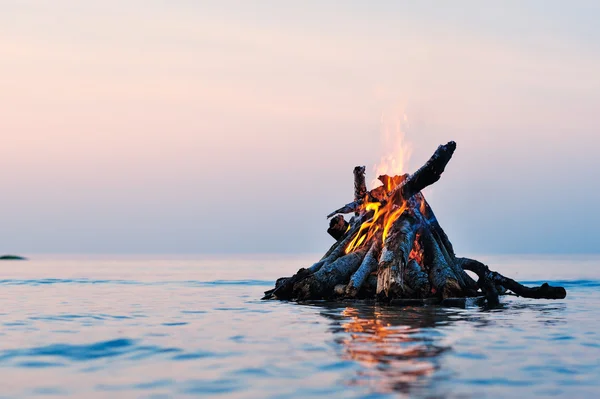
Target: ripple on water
x: 83, y: 353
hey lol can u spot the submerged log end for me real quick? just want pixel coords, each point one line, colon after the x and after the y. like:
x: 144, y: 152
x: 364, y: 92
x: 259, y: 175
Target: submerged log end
x: 547, y: 291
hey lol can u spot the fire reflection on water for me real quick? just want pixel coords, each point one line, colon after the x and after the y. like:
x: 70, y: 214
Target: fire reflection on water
x: 396, y: 348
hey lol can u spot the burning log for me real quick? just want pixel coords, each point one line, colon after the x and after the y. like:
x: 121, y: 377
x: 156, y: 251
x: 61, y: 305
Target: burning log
x: 394, y: 256
x: 396, y: 234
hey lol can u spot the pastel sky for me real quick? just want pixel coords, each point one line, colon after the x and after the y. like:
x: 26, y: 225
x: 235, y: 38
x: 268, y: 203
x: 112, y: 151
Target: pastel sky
x: 188, y: 126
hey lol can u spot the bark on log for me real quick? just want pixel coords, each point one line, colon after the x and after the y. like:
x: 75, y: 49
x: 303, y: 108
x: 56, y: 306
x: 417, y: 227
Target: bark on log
x: 545, y: 291
x: 337, y: 227
x: 360, y: 185
x: 368, y: 266
x: 417, y: 280
x: 321, y: 284
x: 394, y: 256
x: 441, y: 275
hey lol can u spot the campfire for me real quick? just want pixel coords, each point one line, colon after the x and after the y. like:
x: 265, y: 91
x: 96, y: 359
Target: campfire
x: 394, y: 250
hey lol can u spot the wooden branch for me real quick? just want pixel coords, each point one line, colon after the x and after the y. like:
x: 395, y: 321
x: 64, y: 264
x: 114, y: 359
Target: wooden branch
x: 426, y: 175
x: 360, y: 185
x: 545, y: 291
x: 485, y: 283
x: 321, y: 284
x: 368, y: 266
x: 394, y: 256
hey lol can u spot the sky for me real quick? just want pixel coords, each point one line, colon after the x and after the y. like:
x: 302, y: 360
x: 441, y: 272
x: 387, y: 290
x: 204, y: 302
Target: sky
x: 224, y: 126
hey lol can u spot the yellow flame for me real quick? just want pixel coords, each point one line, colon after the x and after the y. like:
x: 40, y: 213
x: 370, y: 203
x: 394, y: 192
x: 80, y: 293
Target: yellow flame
x: 391, y: 219
x: 361, y: 240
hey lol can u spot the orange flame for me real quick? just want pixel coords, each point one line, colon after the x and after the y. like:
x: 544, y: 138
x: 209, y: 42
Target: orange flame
x: 398, y: 151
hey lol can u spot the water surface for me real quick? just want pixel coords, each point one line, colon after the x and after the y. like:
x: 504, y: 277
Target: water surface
x: 154, y: 327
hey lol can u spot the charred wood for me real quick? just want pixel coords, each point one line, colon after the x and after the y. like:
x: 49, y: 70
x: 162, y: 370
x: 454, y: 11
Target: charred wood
x: 337, y: 227
x: 360, y: 185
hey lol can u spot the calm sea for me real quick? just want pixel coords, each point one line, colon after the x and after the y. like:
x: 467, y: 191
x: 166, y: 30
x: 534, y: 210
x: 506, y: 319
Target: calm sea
x: 159, y: 327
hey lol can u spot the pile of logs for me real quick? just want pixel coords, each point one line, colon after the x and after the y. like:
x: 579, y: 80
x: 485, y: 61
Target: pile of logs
x: 394, y: 250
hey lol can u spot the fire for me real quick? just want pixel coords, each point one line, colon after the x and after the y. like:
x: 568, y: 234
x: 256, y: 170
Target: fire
x: 417, y: 251
x: 398, y: 151
x: 394, y: 163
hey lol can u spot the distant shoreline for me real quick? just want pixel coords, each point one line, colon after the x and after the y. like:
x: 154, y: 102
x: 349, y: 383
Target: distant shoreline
x: 12, y: 257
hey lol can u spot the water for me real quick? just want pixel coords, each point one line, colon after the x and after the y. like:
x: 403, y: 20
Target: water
x: 157, y: 328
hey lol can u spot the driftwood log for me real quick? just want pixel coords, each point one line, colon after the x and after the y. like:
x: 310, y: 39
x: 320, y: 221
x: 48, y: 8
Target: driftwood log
x: 395, y: 250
